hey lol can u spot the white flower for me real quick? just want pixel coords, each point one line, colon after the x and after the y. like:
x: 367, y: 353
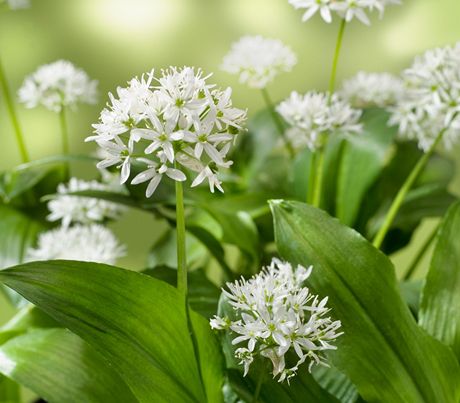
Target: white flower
x: 182, y: 121
x: 431, y: 102
x: 56, y: 85
x: 93, y: 243
x: 18, y: 4
x: 258, y: 60
x: 313, y: 116
x: 275, y: 313
x: 346, y: 9
x: 372, y: 89
x: 79, y: 209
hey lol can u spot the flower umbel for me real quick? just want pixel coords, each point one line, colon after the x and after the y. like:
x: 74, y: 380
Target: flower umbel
x: 17, y: 4
x: 258, y: 60
x: 274, y: 313
x: 431, y: 102
x: 56, y: 85
x: 182, y: 121
x: 93, y: 243
x: 313, y: 116
x: 372, y: 89
x: 83, y: 210
x: 346, y: 9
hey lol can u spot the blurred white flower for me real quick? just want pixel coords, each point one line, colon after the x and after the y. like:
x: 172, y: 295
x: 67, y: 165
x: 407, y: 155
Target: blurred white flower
x: 372, y: 89
x: 56, y: 85
x: 182, y: 121
x: 18, y: 4
x: 431, y: 103
x: 80, y: 209
x: 258, y: 60
x: 275, y: 313
x: 346, y: 9
x: 313, y: 116
x: 93, y: 243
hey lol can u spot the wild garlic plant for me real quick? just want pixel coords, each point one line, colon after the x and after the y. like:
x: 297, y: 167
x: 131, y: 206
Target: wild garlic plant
x: 172, y: 126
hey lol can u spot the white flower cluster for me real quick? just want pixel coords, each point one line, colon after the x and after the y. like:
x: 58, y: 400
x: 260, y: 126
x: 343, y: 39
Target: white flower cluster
x: 431, y: 103
x: 181, y: 123
x: 346, y: 9
x: 56, y: 85
x: 276, y: 314
x: 17, y: 4
x: 315, y: 115
x: 372, y: 89
x: 258, y: 60
x: 80, y: 209
x: 92, y: 243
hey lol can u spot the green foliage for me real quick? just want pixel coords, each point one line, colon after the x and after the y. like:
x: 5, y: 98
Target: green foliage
x: 383, y: 351
x: 138, y: 324
x: 60, y: 367
x: 440, y: 304
x: 18, y: 232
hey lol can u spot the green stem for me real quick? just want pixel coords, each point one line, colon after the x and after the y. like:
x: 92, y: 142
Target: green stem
x: 335, y: 62
x: 64, y: 131
x: 13, y: 116
x: 407, y: 185
x: 260, y: 381
x: 277, y: 120
x: 318, y: 187
x: 180, y: 228
x: 65, y: 140
x: 420, y: 254
x: 311, y: 179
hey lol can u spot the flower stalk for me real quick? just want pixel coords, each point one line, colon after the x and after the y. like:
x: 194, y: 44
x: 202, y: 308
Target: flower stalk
x: 13, y: 117
x: 180, y: 228
x: 318, y: 186
x: 277, y: 120
x: 401, y: 195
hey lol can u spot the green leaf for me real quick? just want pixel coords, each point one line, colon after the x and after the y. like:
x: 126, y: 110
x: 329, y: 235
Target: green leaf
x: 60, y: 367
x: 440, y: 303
x: 18, y: 233
x: 9, y: 390
x: 363, y: 159
x: 139, y: 324
x: 383, y: 351
x: 203, y: 295
x: 336, y: 383
x: 210, y: 358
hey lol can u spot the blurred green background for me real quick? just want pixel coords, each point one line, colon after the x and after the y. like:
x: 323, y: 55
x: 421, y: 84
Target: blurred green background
x: 114, y: 40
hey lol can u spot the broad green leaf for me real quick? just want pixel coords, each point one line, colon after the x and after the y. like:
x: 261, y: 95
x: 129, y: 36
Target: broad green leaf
x: 203, y: 296
x: 210, y: 358
x: 440, y: 304
x: 363, y: 159
x: 139, y: 324
x: 383, y: 351
x: 336, y: 383
x: 60, y: 367
x: 18, y: 233
x: 410, y: 292
x: 9, y: 390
